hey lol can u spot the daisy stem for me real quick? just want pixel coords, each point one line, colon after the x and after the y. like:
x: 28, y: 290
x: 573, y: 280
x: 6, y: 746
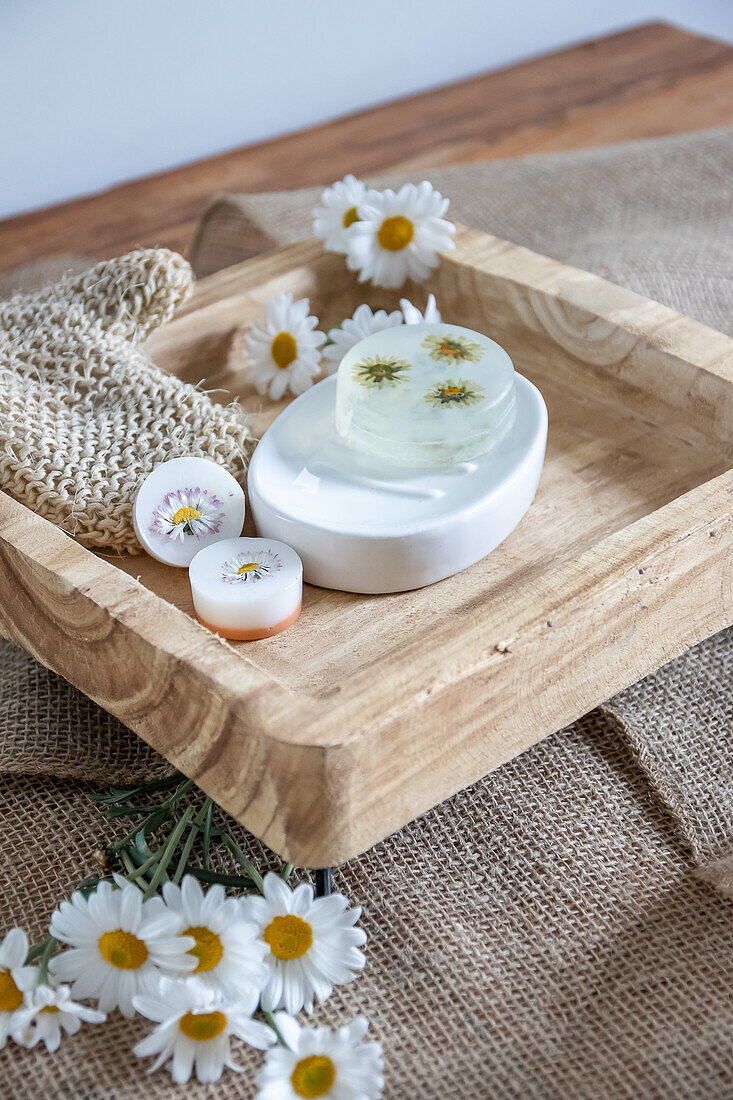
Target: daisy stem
x: 36, y: 950
x: 270, y: 1017
x: 209, y: 804
x: 240, y: 857
x: 136, y: 872
x: 49, y: 947
x: 168, y: 849
x: 286, y: 871
x: 192, y: 834
x: 161, y: 812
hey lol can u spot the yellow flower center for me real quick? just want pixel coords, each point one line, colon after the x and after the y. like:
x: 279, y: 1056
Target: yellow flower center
x: 313, y: 1076
x: 249, y: 566
x: 396, y: 233
x: 451, y: 349
x: 185, y: 515
x: 452, y: 391
x: 351, y: 216
x: 284, y: 349
x: 289, y: 937
x: 51, y: 1008
x: 209, y: 950
x: 10, y: 996
x: 123, y: 950
x: 203, y: 1026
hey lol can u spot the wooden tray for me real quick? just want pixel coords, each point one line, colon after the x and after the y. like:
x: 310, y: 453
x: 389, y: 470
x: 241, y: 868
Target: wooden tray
x: 373, y: 708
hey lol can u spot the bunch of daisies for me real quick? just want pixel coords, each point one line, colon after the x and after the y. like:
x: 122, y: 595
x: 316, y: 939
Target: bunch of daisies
x: 387, y: 237
x: 199, y: 964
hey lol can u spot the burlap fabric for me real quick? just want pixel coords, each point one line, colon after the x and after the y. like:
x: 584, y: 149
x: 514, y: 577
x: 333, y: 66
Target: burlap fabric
x: 549, y: 932
x: 84, y: 414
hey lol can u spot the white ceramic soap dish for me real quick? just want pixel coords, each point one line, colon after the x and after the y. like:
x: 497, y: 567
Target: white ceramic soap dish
x: 365, y: 527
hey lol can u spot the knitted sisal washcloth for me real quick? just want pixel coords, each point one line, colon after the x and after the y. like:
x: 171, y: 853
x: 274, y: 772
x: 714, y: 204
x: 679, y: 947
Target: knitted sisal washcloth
x: 84, y: 414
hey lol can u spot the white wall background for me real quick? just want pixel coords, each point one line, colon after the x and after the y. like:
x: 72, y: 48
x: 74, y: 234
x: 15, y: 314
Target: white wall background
x: 94, y: 92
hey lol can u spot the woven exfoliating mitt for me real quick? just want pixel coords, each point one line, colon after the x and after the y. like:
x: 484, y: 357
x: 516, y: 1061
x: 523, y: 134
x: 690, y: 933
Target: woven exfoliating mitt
x: 84, y: 413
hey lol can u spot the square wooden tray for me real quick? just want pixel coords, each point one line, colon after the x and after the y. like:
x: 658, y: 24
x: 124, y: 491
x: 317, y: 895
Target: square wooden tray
x: 373, y: 708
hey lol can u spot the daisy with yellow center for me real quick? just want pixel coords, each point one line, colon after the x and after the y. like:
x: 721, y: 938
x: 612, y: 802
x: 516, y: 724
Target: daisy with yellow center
x: 228, y: 952
x: 321, y: 1064
x: 47, y: 1013
x: 313, y: 944
x: 15, y: 980
x: 338, y: 212
x: 454, y: 395
x: 449, y: 348
x: 399, y: 235
x: 195, y: 1024
x: 119, y: 943
x: 285, y: 350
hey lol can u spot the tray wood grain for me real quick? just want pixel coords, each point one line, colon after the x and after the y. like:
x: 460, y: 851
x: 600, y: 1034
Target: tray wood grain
x: 371, y: 709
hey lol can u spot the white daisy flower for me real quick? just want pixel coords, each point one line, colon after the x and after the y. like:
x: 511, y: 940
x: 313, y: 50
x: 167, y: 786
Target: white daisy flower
x: 321, y: 1063
x: 49, y: 1011
x: 398, y: 236
x: 195, y: 1024
x: 285, y: 350
x: 353, y: 329
x: 333, y: 220
x: 15, y: 979
x: 119, y: 943
x: 227, y: 949
x: 246, y: 567
x: 313, y: 943
x: 188, y: 512
x: 413, y: 316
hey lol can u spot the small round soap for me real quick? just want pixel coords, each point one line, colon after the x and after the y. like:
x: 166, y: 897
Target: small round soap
x: 425, y: 395
x: 247, y: 588
x: 184, y: 505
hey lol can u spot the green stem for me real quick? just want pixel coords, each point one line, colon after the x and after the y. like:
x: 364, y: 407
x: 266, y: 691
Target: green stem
x: 138, y: 871
x: 286, y: 871
x: 241, y: 858
x: 168, y: 849
x: 36, y: 950
x: 159, y: 816
x: 50, y: 946
x: 192, y: 834
x: 270, y: 1017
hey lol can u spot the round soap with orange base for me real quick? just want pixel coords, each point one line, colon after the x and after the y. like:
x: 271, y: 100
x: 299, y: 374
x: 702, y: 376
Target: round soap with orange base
x: 247, y: 588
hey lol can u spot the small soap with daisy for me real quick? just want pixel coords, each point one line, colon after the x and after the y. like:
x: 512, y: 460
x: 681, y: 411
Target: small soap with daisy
x: 246, y: 589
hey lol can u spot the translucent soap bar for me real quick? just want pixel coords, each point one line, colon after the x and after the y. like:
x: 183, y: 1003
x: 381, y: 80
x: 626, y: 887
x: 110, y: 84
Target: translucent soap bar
x: 425, y: 395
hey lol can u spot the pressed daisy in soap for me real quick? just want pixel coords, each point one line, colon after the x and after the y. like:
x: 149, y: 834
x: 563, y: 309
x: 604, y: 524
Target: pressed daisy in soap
x: 229, y: 955
x: 313, y: 944
x: 119, y: 943
x: 15, y: 979
x: 188, y: 512
x: 320, y: 1063
x: 447, y: 347
x: 449, y: 394
x: 338, y: 211
x: 378, y: 371
x: 399, y: 235
x: 249, y: 566
x: 285, y: 349
x: 48, y: 1013
x: 363, y: 323
x: 185, y: 504
x: 195, y: 1026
